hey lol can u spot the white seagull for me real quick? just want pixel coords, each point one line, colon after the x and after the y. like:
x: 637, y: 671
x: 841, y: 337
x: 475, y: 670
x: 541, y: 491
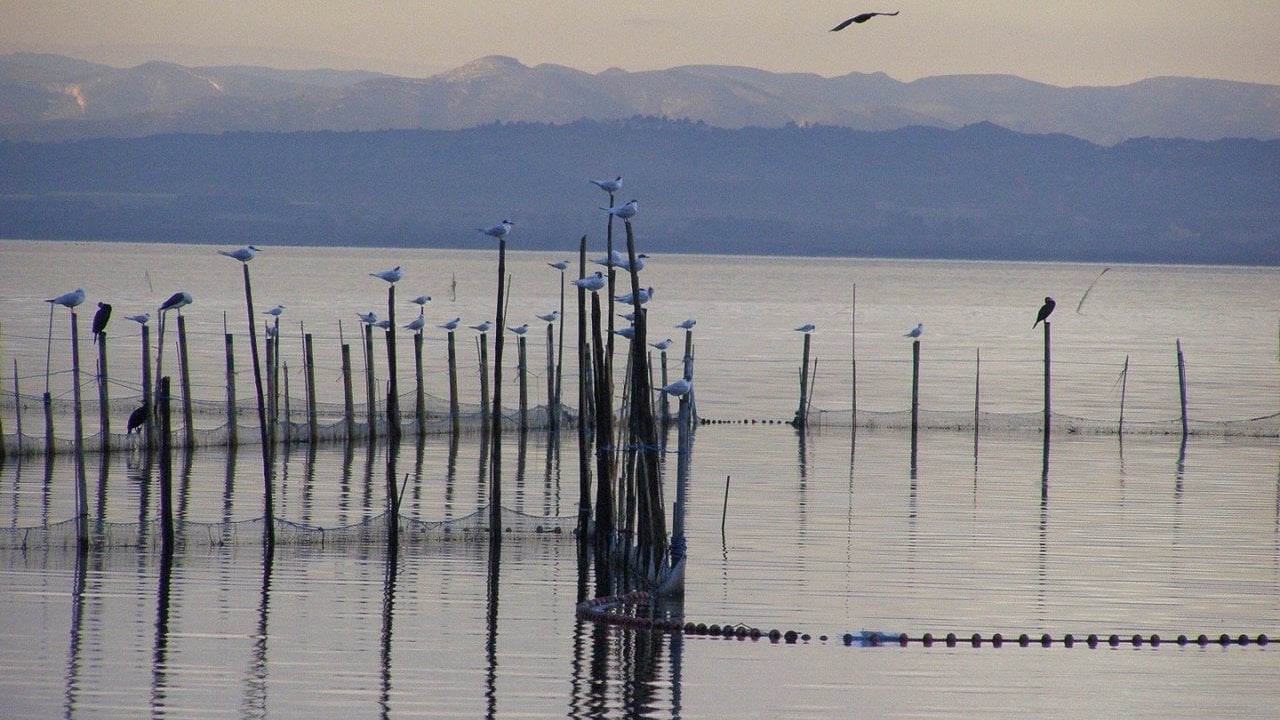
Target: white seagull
x: 628, y: 332
x: 620, y: 261
x: 592, y: 282
x: 271, y: 331
x: 392, y: 276
x: 384, y: 324
x: 663, y: 345
x: 368, y: 318
x: 68, y: 299
x: 421, y: 300
x: 177, y: 301
x: 482, y: 327
x: 551, y: 316
x: 679, y: 388
x: 417, y: 323
x: 646, y: 294
x: 916, y: 331
x: 626, y: 212
x: 560, y: 265
x: 500, y: 230
x: 520, y: 329
x: 244, y: 254
x: 609, y: 186
x: 450, y: 325
x: 141, y: 319
x: 807, y: 328
x: 629, y: 317
x: 687, y: 324
x: 276, y: 311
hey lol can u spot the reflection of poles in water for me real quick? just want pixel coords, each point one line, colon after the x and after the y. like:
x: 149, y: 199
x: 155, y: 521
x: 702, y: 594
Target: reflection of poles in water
x: 77, y: 631
x: 104, y: 465
x: 388, y: 613
x: 521, y: 460
x: 344, y: 485
x: 491, y: 629
x: 166, y: 468
x: 160, y: 655
x: 393, y: 497
x: 255, y: 701
x: 228, y: 494
x: 451, y: 474
x: 268, y: 453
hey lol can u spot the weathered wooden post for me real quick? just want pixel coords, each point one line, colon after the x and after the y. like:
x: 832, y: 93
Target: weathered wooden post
x: 1124, y: 382
x: 420, y: 404
x: 184, y: 368
x: 802, y: 412
x: 915, y: 389
x: 348, y: 398
x: 977, y: 391
x: 495, y: 465
x: 1047, y: 405
x: 393, y: 387
x: 370, y: 383
x: 288, y: 408
x: 552, y: 410
x: 268, y: 452
x: 104, y: 410
x: 82, y: 490
x: 453, y: 380
x: 233, y: 427
x: 309, y: 360
x: 584, y: 456
x: 482, y: 342
x: 1182, y: 386
x: 523, y: 371
x: 17, y: 406
x: 166, y: 468
x: 150, y: 430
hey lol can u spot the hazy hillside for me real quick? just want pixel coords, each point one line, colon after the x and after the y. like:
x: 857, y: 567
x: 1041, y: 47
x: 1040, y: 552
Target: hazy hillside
x: 48, y: 97
x: 977, y: 192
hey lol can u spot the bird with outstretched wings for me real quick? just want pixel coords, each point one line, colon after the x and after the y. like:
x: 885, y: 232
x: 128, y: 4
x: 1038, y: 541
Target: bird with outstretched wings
x: 861, y: 18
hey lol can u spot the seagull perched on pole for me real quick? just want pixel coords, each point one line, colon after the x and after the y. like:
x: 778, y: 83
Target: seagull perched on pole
x: 679, y: 388
x: 807, y: 328
x: 646, y: 294
x: 916, y: 331
x: 628, y: 332
x: 450, y: 325
x: 520, y: 329
x: 1045, y: 311
x: 100, y: 319
x: 861, y: 18
x: 243, y: 254
x: 417, y: 323
x: 501, y: 230
x: 392, y: 276
x: 68, y: 299
x: 141, y: 319
x: 687, y: 324
x: 592, y: 282
x: 176, y: 301
x: 560, y: 265
x: 609, y: 186
x: 369, y: 318
x: 626, y: 212
x: 663, y: 345
x: 482, y: 327
x: 551, y: 316
x: 276, y: 311
x: 421, y: 301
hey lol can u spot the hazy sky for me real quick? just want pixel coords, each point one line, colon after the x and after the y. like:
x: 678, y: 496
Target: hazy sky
x: 1063, y: 42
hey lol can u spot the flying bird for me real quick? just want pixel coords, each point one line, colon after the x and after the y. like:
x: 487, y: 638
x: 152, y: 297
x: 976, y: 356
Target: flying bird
x: 859, y: 19
x: 100, y: 319
x: 421, y: 300
x: 916, y: 331
x: 276, y: 311
x: 609, y: 186
x: 244, y: 254
x: 137, y: 419
x: 177, y: 301
x: 392, y: 276
x: 1045, y: 311
x: 663, y: 345
x: 141, y: 319
x: 646, y: 294
x: 807, y: 328
x: 561, y: 265
x: 551, y: 316
x: 417, y: 323
x: 450, y: 325
x: 482, y: 327
x: 68, y: 299
x: 687, y: 324
x: 520, y: 329
x: 679, y: 388
x: 500, y: 230
x: 592, y: 282
x: 626, y: 212
x: 369, y: 318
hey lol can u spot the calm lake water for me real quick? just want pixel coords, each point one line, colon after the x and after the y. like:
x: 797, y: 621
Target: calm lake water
x: 825, y: 533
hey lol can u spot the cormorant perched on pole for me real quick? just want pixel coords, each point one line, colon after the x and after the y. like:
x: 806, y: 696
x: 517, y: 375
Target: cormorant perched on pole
x: 1045, y: 310
x: 100, y: 320
x: 137, y: 419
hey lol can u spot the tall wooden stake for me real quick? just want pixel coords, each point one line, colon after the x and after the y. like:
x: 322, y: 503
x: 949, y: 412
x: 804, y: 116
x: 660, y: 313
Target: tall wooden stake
x: 495, y: 459
x: 309, y: 359
x: 584, y: 456
x: 233, y: 428
x: 393, y: 388
x: 104, y: 409
x: 523, y: 371
x: 184, y: 368
x: 801, y: 411
x: 82, y: 490
x: 420, y: 395
x: 1124, y: 382
x: 1182, y: 386
x: 268, y: 452
x: 348, y: 397
x: 453, y: 381
x: 370, y: 384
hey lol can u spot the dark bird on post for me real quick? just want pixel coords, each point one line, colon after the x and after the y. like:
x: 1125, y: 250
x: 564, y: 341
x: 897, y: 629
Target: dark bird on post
x: 1045, y: 310
x: 137, y: 419
x: 861, y: 19
x: 100, y: 319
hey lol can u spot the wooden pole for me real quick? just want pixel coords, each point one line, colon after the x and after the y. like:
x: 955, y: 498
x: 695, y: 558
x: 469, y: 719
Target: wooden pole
x: 233, y: 427
x: 150, y: 430
x: 48, y: 423
x: 1182, y: 386
x: 605, y: 472
x: 801, y: 412
x: 17, y: 406
x: 370, y: 384
x: 551, y: 375
x: 584, y: 456
x: 104, y: 409
x: 915, y: 389
x: 1124, y: 382
x: 495, y: 460
x: 523, y: 371
x: 184, y: 367
x: 268, y: 452
x: 559, y: 395
x: 288, y: 408
x: 348, y: 398
x: 393, y: 387
x: 724, y: 510
x: 453, y: 381
x: 482, y: 342
x: 273, y: 395
x: 977, y: 390
x: 666, y: 401
x: 1047, y: 363
x: 309, y: 360
x: 420, y: 394
x: 82, y: 490
x: 853, y: 358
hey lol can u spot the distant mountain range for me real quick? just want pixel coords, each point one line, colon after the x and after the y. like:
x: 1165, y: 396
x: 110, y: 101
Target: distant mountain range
x: 56, y: 98
x: 980, y: 191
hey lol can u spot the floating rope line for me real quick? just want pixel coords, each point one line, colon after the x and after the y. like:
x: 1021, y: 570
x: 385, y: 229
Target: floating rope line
x: 617, y: 610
